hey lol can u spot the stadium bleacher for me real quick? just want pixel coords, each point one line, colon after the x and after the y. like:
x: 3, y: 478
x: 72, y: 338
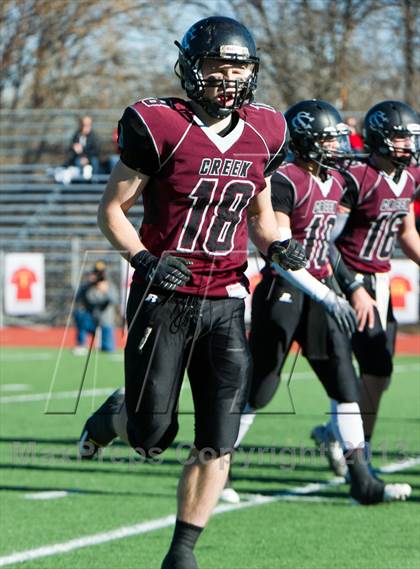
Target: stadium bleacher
x: 38, y: 214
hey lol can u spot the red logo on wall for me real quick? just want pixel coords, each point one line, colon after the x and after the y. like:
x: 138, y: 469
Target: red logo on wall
x: 400, y: 286
x: 23, y: 278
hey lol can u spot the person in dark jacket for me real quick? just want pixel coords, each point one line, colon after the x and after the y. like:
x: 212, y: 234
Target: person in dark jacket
x: 84, y: 148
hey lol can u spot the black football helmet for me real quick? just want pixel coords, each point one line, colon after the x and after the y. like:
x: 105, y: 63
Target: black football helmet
x: 312, y: 125
x: 387, y: 121
x: 217, y: 38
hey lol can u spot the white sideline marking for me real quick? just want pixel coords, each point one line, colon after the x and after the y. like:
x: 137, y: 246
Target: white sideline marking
x: 25, y: 357
x: 15, y: 387
x: 58, y: 395
x: 28, y: 357
x: 87, y: 541
x: 397, y: 466
x: 50, y: 495
x: 161, y: 523
x: 402, y: 368
x: 107, y: 391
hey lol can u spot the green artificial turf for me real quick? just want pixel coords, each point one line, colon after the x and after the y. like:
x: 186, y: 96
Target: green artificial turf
x: 38, y: 453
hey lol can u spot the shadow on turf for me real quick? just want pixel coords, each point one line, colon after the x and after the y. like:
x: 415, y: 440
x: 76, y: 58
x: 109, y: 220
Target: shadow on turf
x: 8, y: 488
x: 184, y: 444
x: 282, y: 478
x: 329, y: 496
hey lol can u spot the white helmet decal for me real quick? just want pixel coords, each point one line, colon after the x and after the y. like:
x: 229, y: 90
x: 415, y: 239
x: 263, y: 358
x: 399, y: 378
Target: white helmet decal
x: 302, y: 122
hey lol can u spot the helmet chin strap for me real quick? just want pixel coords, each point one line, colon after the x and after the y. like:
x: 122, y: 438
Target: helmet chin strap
x: 399, y: 168
x: 397, y: 164
x: 316, y: 157
x: 311, y: 163
x: 215, y: 110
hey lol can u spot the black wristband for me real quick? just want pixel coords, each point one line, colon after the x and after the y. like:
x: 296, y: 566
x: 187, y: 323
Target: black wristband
x: 346, y: 278
x: 143, y: 261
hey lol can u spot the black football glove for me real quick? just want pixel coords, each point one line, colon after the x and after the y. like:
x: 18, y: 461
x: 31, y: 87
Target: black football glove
x: 167, y: 272
x: 289, y: 254
x: 342, y: 312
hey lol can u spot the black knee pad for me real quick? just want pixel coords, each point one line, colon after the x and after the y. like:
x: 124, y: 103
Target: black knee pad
x: 221, y: 443
x: 153, y: 438
x: 343, y: 392
x: 338, y: 377
x: 374, y: 349
x: 219, y: 436
x: 382, y: 368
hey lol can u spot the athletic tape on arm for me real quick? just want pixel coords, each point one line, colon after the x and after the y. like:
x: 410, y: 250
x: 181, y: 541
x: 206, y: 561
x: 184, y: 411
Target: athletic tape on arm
x: 304, y: 281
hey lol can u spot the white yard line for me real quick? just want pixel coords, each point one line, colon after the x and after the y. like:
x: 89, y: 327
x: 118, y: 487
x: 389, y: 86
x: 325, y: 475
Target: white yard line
x: 397, y: 466
x: 25, y: 356
x: 15, y: 387
x: 300, y: 375
x: 50, y: 495
x: 161, y: 523
x: 58, y: 395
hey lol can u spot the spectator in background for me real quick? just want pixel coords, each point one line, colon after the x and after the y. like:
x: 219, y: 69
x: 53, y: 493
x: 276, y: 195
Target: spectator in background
x: 356, y: 141
x: 84, y: 149
x: 96, y: 298
x: 114, y: 158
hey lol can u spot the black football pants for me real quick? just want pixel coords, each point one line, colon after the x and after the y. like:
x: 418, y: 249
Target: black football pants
x: 282, y: 313
x: 169, y: 334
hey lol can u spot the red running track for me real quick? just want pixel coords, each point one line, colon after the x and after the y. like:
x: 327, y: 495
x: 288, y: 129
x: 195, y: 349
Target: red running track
x: 408, y: 344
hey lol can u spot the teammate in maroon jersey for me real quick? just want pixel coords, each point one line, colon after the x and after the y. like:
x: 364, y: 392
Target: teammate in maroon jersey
x: 306, y: 194
x: 203, y: 167
x: 376, y: 210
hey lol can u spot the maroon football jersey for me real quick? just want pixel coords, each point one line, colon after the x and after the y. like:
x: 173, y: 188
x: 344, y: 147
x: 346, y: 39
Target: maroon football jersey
x: 414, y: 172
x: 201, y: 185
x: 311, y: 205
x: 378, y: 205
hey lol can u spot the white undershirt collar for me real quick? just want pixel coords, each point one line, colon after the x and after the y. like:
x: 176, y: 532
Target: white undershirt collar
x: 223, y: 143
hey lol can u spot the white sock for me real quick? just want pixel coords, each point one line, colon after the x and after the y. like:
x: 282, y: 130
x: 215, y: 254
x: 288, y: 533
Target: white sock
x: 247, y: 418
x: 347, y: 425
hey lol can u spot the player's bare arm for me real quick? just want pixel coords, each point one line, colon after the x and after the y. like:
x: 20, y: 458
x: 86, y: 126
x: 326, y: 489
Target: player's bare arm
x: 262, y: 224
x: 264, y: 233
x: 121, y: 193
x: 408, y: 237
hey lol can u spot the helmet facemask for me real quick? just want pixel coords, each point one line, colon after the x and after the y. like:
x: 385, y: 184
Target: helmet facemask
x: 329, y: 148
x: 403, y: 145
x: 232, y: 94
x: 334, y: 146
x: 392, y: 131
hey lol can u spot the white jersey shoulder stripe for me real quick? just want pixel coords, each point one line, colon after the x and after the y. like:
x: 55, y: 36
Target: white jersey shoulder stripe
x: 292, y: 184
x: 355, y: 180
x: 162, y: 164
x: 143, y: 120
x: 178, y: 144
x: 262, y: 106
x: 306, y: 196
x: 280, y: 147
x: 340, y: 185
x: 260, y: 136
x: 412, y: 178
x: 372, y: 189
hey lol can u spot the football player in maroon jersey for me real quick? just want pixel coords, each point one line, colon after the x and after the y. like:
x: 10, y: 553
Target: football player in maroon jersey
x: 203, y: 167
x: 306, y: 194
x: 376, y: 210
